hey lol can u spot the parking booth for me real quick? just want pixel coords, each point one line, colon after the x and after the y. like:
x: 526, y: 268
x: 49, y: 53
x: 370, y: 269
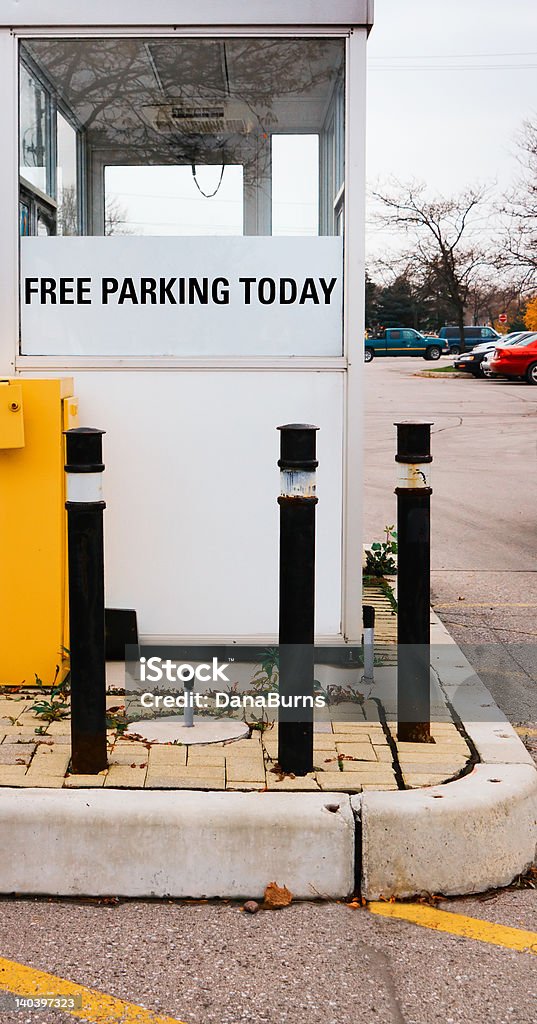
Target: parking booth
x: 182, y: 190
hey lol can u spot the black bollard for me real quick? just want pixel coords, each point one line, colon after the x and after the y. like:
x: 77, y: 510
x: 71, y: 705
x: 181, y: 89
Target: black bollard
x: 368, y: 614
x: 413, y: 581
x: 297, y: 503
x: 84, y: 469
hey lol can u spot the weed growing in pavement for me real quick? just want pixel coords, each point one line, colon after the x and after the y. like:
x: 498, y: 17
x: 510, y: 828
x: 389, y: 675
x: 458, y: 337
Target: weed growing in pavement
x: 116, y: 719
x: 57, y: 706
x: 379, y: 559
x: 379, y: 563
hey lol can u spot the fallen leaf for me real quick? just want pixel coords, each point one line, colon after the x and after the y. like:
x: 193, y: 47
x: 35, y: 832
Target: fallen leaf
x: 430, y: 898
x: 277, y: 896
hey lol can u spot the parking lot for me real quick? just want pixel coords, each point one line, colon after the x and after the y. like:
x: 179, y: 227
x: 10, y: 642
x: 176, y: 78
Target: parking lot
x: 483, y: 509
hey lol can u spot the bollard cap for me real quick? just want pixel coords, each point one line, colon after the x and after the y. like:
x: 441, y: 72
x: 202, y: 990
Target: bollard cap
x: 298, y: 446
x: 368, y: 614
x: 84, y: 450
x: 414, y: 441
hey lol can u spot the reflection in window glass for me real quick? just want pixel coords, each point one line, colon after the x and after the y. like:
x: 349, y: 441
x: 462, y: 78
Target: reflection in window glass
x: 24, y: 218
x: 66, y: 149
x: 44, y: 225
x: 269, y: 109
x: 295, y: 184
x: 33, y: 131
x: 193, y: 200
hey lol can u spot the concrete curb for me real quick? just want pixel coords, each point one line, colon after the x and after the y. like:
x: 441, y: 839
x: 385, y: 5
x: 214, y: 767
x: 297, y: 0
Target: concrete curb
x: 137, y: 843
x: 470, y: 835
x: 491, y: 733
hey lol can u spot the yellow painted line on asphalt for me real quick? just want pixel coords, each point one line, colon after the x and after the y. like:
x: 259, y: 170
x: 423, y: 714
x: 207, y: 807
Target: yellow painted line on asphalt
x: 97, y: 1007
x: 458, y: 924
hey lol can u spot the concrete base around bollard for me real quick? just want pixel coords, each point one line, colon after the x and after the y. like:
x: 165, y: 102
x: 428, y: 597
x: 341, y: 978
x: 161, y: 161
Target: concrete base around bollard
x: 471, y: 835
x: 180, y: 844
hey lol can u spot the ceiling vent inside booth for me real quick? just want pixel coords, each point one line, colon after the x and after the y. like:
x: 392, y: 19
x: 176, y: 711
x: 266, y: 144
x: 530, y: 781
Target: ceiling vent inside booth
x: 201, y: 117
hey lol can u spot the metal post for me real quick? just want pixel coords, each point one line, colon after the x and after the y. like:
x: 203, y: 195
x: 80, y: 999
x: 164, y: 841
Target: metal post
x: 368, y: 613
x: 84, y: 469
x: 413, y: 581
x: 297, y: 503
x: 188, y: 716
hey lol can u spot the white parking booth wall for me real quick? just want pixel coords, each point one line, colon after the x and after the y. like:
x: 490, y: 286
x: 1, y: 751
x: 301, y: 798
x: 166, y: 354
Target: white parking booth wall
x: 183, y: 219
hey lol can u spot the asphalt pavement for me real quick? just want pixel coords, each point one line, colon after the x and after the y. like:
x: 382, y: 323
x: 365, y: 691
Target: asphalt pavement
x: 483, y: 511
x: 305, y: 964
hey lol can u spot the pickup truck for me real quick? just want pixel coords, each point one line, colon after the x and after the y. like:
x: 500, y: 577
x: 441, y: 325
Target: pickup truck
x: 402, y: 341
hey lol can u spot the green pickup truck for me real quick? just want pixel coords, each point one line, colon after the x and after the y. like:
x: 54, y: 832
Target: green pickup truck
x: 402, y: 341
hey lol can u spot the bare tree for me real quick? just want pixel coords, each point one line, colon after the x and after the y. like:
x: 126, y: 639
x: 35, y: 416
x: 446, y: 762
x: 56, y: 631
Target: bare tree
x: 115, y: 215
x: 441, y: 246
x: 519, y: 248
x: 115, y: 218
x: 68, y: 212
x: 488, y: 297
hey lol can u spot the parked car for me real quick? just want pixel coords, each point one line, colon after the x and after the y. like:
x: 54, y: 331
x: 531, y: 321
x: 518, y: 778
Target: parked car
x: 518, y: 360
x: 474, y: 361
x: 402, y: 341
x: 451, y: 338
x: 507, y: 340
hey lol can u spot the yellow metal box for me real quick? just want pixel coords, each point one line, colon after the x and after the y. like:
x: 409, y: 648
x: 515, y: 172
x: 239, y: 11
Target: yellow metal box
x: 33, y: 581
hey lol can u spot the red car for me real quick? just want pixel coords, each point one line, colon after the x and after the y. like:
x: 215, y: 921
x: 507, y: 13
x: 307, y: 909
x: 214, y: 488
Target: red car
x: 518, y: 360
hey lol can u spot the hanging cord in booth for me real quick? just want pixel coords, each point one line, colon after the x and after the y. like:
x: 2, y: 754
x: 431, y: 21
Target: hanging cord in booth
x: 208, y: 195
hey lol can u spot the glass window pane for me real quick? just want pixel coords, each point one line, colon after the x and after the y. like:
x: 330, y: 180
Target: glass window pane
x: 264, y: 108
x: 66, y: 171
x: 34, y: 143
x: 195, y: 200
x: 295, y: 184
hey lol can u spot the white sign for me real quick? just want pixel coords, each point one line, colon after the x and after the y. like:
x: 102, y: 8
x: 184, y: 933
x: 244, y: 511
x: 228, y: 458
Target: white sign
x: 199, y: 296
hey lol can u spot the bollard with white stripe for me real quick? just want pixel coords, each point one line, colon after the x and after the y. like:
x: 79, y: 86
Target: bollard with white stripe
x: 85, y: 506
x: 368, y: 613
x: 297, y: 503
x: 413, y: 581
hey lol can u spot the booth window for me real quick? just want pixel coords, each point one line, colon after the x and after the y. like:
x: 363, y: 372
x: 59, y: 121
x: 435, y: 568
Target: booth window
x: 253, y: 129
x: 127, y: 143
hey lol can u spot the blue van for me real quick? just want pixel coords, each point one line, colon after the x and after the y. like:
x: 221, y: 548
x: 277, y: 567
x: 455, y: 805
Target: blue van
x: 451, y: 338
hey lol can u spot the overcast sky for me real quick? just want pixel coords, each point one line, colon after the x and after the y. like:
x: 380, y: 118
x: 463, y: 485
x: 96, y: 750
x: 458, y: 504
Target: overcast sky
x: 449, y: 84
